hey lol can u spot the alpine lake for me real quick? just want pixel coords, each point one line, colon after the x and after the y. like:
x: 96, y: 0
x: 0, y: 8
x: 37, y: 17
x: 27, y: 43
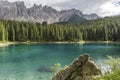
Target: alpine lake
x: 33, y: 61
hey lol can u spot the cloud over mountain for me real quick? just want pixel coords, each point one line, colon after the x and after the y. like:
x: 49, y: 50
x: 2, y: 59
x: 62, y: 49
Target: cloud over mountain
x: 110, y: 8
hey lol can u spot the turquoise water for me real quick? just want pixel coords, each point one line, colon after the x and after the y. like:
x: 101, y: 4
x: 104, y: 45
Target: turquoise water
x: 21, y: 62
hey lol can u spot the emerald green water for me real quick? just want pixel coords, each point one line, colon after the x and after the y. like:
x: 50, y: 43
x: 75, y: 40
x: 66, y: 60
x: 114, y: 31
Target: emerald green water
x: 21, y: 62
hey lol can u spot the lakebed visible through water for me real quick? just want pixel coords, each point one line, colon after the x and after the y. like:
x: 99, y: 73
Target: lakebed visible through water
x: 23, y: 61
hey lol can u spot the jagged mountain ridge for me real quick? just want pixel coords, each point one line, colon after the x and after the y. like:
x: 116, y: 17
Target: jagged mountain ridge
x: 38, y: 13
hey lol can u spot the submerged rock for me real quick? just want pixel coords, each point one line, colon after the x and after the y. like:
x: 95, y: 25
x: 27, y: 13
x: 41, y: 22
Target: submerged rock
x: 81, y: 69
x: 44, y: 69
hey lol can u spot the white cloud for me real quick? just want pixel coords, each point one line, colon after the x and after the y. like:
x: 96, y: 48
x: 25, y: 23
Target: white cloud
x: 110, y: 8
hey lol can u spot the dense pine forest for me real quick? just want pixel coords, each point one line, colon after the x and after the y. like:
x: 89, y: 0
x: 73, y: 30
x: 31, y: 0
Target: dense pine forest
x: 103, y: 29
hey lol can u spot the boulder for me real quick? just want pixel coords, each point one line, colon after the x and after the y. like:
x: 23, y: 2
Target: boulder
x: 81, y: 69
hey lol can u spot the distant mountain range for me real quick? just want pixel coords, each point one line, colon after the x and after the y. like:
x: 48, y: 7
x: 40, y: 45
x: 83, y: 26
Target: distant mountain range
x: 38, y: 13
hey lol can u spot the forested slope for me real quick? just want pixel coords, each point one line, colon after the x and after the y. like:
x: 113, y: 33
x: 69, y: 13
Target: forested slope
x: 104, y: 29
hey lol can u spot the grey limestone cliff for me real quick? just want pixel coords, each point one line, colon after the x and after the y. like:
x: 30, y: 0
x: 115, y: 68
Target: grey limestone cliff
x: 38, y: 13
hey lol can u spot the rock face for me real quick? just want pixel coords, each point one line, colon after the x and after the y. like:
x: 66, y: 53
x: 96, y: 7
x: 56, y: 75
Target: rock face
x: 38, y: 13
x: 81, y: 69
x: 91, y: 16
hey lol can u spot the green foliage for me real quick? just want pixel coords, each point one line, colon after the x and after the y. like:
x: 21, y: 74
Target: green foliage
x: 109, y: 76
x: 57, y: 67
x: 2, y: 32
x: 104, y: 29
x: 44, y: 23
x: 114, y: 64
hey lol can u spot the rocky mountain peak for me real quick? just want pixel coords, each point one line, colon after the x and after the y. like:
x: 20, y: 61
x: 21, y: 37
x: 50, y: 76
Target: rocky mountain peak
x: 38, y: 13
x: 3, y: 0
x: 69, y: 14
x: 91, y: 16
x: 37, y: 6
x: 49, y: 9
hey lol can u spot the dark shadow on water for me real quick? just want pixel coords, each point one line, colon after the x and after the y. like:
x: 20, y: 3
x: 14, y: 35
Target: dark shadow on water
x: 44, y: 69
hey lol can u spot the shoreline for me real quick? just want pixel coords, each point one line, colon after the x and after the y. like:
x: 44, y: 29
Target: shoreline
x: 3, y: 44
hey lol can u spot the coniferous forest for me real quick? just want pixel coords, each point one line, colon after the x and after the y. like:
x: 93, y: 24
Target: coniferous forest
x: 103, y: 29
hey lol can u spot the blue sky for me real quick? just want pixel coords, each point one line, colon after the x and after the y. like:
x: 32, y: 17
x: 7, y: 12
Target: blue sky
x: 101, y: 7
